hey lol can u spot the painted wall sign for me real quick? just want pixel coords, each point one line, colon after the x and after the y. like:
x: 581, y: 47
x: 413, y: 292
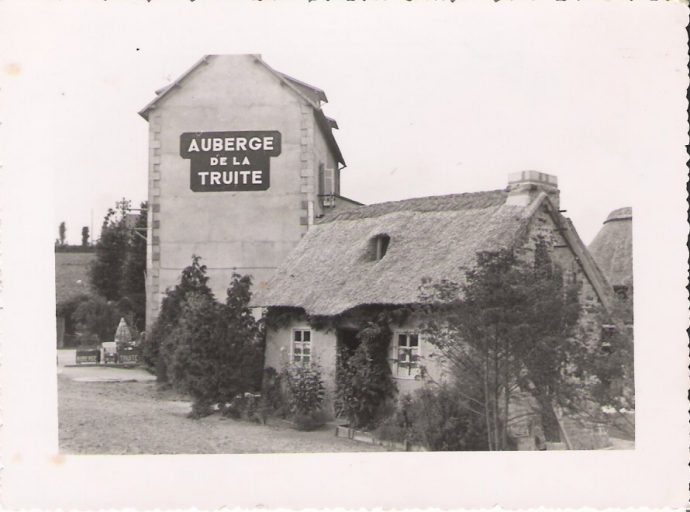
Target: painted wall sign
x: 230, y: 161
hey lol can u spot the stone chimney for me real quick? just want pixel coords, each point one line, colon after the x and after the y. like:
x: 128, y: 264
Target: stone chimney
x: 525, y: 186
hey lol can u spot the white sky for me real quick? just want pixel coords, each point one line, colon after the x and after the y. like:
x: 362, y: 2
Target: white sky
x: 449, y: 105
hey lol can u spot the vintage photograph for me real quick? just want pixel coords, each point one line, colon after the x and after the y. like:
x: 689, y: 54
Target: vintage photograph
x: 308, y: 237
x: 247, y: 305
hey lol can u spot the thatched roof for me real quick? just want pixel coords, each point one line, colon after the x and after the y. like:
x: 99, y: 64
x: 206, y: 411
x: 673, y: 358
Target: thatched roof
x: 72, y: 275
x: 334, y: 268
x: 612, y: 248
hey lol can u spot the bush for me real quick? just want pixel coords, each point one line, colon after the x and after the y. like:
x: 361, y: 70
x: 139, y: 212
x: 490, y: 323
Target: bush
x: 193, y: 281
x: 365, y: 383
x: 97, y: 317
x: 439, y: 418
x: 305, y: 390
x: 273, y: 401
x: 215, y: 351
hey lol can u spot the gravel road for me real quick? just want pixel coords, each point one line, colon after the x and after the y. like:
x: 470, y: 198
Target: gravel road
x: 133, y: 417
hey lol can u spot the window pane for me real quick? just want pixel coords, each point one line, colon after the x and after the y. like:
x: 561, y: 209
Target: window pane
x: 402, y: 340
x: 298, y: 335
x: 298, y: 350
x: 306, y: 351
x: 414, y: 340
x: 307, y: 335
x: 305, y: 359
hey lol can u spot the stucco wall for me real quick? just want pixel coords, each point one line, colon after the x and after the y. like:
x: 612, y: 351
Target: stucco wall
x: 323, y: 345
x: 249, y: 232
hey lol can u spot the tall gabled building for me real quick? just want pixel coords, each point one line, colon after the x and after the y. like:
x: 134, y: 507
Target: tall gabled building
x: 242, y: 159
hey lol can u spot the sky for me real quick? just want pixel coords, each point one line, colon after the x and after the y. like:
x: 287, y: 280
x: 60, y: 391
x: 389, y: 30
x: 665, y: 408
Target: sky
x: 431, y: 98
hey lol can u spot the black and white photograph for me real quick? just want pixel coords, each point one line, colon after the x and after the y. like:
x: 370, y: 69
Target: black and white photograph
x: 344, y: 246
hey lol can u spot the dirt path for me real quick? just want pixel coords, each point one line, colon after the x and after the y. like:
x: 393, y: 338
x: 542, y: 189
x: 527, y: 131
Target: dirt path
x: 133, y: 418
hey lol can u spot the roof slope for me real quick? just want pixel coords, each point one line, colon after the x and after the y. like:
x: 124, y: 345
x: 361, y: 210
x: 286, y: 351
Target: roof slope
x: 612, y: 248
x: 334, y: 269
x: 72, y: 274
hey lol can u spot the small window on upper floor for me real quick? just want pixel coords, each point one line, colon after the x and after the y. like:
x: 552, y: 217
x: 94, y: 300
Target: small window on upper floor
x: 381, y: 245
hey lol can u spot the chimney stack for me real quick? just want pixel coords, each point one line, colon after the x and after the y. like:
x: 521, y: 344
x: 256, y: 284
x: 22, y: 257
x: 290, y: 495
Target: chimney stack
x: 525, y: 186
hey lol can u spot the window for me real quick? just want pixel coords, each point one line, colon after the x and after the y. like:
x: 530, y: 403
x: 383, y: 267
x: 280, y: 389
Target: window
x: 405, y: 355
x: 378, y: 246
x: 327, y: 186
x: 301, y: 347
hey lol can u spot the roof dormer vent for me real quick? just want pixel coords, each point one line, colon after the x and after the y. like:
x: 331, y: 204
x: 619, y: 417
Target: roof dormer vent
x: 380, y: 246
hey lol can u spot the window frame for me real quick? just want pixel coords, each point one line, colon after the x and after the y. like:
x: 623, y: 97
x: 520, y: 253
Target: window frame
x: 301, y: 341
x: 394, y: 355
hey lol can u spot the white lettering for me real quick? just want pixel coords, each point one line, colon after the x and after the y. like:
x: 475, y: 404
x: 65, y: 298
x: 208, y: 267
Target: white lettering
x: 214, y: 160
x: 255, y: 143
x: 229, y: 143
x: 244, y: 176
x: 206, y: 144
x: 256, y: 177
x: 193, y: 146
x: 203, y: 177
x: 227, y: 177
x: 234, y: 161
x: 268, y: 143
x: 223, y: 160
x: 245, y: 161
x: 236, y: 180
x: 241, y: 143
x: 217, y: 144
x: 215, y: 178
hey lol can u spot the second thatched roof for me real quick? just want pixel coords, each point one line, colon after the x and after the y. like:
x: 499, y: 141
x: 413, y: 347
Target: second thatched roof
x: 612, y: 248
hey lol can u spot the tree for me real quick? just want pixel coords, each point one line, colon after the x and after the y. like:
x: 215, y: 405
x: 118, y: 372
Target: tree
x: 111, y: 252
x: 193, y: 281
x: 98, y: 317
x: 63, y: 234
x: 512, y: 327
x: 215, y: 353
x: 118, y: 272
x: 85, y: 236
x: 133, y: 279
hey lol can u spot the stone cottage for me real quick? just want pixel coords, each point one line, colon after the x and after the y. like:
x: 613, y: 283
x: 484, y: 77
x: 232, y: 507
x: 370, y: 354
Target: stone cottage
x: 379, y: 254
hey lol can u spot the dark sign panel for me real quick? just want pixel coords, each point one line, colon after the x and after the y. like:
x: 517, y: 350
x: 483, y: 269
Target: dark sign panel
x: 230, y: 161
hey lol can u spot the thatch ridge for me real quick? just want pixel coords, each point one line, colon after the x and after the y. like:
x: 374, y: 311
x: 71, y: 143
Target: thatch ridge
x: 450, y: 202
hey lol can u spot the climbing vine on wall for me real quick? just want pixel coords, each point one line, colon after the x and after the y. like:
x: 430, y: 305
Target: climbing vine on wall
x: 365, y: 384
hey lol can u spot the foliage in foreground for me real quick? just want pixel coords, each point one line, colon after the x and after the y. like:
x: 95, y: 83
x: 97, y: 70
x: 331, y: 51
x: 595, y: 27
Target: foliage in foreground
x: 365, y: 384
x: 513, y: 326
x: 210, y: 350
x: 118, y: 272
x: 193, y: 282
x: 440, y: 418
